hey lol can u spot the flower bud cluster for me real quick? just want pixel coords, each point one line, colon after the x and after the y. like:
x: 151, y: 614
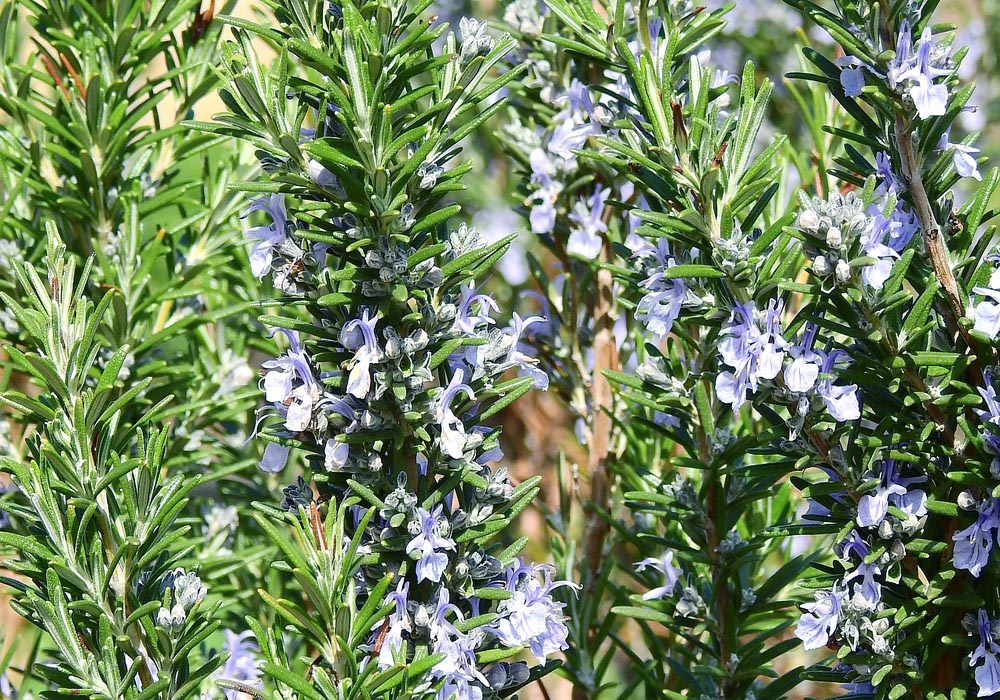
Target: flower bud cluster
x: 182, y: 591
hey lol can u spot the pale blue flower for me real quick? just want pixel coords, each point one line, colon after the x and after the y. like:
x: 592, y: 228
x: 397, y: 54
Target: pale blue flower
x: 452, y: 429
x: 7, y: 691
x: 987, y: 312
x: 335, y: 452
x: 531, y: 617
x: 988, y: 675
x: 801, y: 373
x: 962, y: 156
x: 358, y: 336
x: 876, y: 274
x: 916, y: 72
x: 527, y: 364
x: 569, y: 135
x: 991, y: 420
x: 852, y: 76
x: 275, y: 458
x: 473, y: 310
x: 588, y: 217
x: 398, y: 624
x: 841, y: 400
x: 752, y: 353
x: 671, y: 574
x: 543, y: 212
x: 974, y: 544
x: 244, y: 662
x: 269, y: 237
x: 888, y: 183
x: 821, y: 618
x: 898, y: 230
x: 462, y: 678
x: 892, y: 490
x: 291, y: 388
x: 426, y: 544
x: 282, y: 373
x: 866, y: 587
x: 661, y: 304
x: 580, y: 103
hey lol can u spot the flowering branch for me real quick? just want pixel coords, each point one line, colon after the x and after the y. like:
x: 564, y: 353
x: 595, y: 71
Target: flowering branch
x: 394, y: 361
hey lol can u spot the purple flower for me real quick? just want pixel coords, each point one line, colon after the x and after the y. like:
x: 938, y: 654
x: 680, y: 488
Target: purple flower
x: 661, y: 305
x: 991, y: 420
x: 290, y: 387
x: 891, y: 491
x: 531, y: 617
x: 543, y: 213
x: 895, y: 232
x: 529, y: 365
x: 801, y: 373
x: 358, y: 336
x: 987, y: 312
x: 473, y: 310
x: 916, y: 73
x: 244, y: 662
x: 988, y: 675
x: 852, y: 76
x: 840, y: 400
x: 821, y: 618
x: 665, y: 565
x: 335, y: 452
x: 267, y: 237
x: 569, y: 135
x: 753, y: 353
x: 858, y: 688
x: 585, y: 238
x: 452, y: 428
x: 281, y: 374
x: 275, y: 458
x: 462, y: 679
x: 974, y: 543
x: 962, y: 156
x: 867, y: 589
x: 427, y: 541
x: 399, y: 622
x: 888, y: 183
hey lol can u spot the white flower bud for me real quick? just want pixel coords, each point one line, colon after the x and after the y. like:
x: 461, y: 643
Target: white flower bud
x: 843, y: 271
x: 820, y: 267
x: 834, y: 237
x: 808, y: 221
x: 966, y: 501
